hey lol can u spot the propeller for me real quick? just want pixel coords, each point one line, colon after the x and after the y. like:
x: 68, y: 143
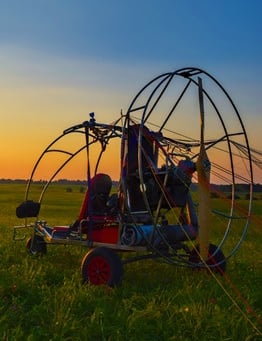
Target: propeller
x: 203, y: 174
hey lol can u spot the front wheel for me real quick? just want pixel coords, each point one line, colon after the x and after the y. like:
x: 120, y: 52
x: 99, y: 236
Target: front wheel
x: 36, y: 246
x: 216, y: 260
x: 102, y: 266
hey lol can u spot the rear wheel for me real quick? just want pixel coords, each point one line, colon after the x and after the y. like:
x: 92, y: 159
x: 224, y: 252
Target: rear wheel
x: 216, y: 260
x: 102, y: 266
x: 36, y: 245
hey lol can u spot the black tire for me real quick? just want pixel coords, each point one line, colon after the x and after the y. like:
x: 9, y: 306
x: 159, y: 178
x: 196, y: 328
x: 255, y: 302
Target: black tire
x: 36, y: 246
x: 102, y: 266
x: 216, y: 260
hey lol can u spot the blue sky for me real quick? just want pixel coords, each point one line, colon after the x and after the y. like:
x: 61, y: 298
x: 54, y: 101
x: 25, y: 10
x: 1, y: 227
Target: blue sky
x: 137, y: 31
x: 61, y: 59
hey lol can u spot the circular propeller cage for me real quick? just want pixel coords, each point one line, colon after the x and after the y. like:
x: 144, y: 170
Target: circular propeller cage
x: 167, y: 111
x: 168, y: 123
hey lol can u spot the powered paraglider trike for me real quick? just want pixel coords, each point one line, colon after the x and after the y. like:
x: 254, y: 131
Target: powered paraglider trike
x: 183, y: 148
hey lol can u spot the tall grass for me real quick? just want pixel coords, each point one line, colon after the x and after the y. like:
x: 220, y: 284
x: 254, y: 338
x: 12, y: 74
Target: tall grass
x: 42, y: 298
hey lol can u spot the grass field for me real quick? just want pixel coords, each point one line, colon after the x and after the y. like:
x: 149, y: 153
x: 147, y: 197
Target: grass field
x: 42, y: 298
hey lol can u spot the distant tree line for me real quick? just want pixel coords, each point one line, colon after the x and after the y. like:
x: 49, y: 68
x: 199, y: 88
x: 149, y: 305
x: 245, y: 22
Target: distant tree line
x: 240, y: 188
x: 59, y: 182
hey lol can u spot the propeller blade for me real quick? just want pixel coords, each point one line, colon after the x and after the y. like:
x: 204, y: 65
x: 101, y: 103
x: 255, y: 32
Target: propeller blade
x: 203, y: 173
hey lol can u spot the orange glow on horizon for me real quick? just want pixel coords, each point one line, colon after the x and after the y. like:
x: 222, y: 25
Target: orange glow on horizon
x: 33, y: 117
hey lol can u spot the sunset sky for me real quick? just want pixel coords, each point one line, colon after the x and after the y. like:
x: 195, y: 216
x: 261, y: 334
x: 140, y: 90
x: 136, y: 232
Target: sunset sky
x: 60, y: 60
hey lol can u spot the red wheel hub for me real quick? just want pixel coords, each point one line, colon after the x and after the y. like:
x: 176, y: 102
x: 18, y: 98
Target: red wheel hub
x: 98, y: 270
